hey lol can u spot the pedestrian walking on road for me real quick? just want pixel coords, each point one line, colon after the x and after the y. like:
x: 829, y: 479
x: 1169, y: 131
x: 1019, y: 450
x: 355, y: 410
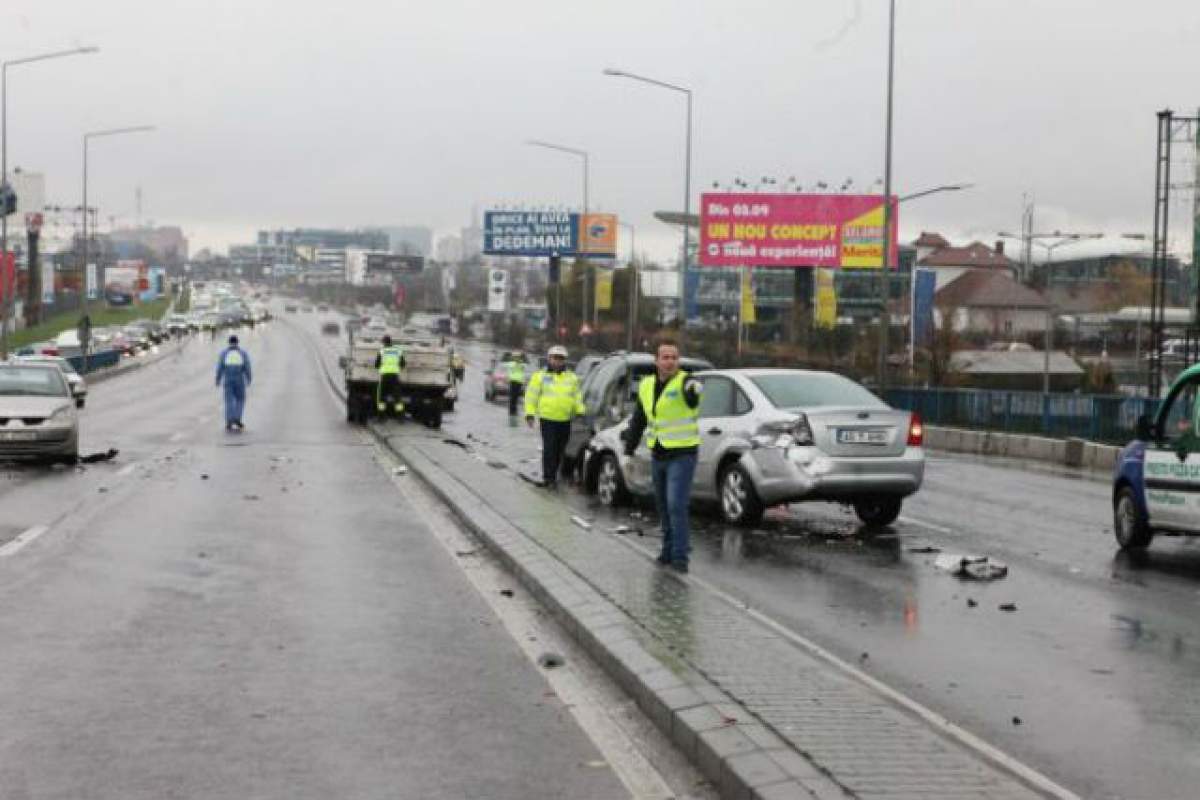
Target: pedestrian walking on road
x: 233, y: 371
x: 516, y: 380
x: 389, y: 361
x: 553, y: 398
x: 667, y: 412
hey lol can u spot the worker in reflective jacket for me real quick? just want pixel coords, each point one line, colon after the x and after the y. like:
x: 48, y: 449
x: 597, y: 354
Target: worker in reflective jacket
x: 389, y: 362
x: 516, y: 380
x: 553, y: 398
x: 233, y: 372
x: 668, y: 413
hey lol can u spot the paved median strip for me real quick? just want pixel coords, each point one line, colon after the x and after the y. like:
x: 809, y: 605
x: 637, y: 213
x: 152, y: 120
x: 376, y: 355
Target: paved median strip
x: 762, y: 711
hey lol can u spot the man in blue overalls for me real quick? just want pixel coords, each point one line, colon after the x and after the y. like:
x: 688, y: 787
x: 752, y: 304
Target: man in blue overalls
x: 233, y: 369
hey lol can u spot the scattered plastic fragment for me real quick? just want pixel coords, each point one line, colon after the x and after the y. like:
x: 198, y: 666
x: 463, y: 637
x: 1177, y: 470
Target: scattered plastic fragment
x: 1008, y: 607
x: 980, y: 568
x: 971, y: 603
x: 928, y: 548
x: 94, y: 458
x: 203, y: 476
x: 456, y: 443
x: 250, y: 497
x: 464, y: 553
x: 400, y: 470
x: 506, y: 592
x: 551, y: 660
x: 581, y: 522
x: 865, y: 656
x: 727, y: 721
x: 1016, y: 720
x: 497, y: 464
x: 622, y: 529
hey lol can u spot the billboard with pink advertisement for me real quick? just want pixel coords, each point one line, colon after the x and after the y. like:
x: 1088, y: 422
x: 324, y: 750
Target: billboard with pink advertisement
x: 794, y: 230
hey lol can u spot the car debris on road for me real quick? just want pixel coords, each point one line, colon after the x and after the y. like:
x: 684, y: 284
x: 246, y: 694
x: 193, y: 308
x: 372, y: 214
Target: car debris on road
x: 979, y: 568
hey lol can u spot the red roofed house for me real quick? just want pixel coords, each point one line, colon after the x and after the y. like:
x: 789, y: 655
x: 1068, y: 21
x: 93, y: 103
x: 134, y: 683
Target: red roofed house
x: 934, y: 252
x: 991, y: 302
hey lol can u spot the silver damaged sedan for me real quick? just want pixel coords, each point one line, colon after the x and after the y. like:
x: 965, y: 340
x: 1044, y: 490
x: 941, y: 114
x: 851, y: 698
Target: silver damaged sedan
x: 773, y: 436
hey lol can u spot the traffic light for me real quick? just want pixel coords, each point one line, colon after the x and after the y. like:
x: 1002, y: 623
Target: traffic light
x: 555, y: 268
x: 8, y: 200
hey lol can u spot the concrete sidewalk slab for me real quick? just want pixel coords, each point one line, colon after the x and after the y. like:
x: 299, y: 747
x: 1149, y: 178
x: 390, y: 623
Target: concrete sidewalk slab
x: 762, y: 715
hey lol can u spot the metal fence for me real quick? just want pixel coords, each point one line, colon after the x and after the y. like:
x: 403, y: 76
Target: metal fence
x: 1098, y: 418
x: 101, y: 359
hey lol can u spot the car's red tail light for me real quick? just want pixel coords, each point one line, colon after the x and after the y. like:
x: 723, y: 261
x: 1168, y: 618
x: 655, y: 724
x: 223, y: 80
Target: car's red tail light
x: 916, y: 431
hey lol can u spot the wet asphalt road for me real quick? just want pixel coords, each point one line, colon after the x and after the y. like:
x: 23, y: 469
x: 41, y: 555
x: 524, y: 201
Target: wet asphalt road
x: 259, y: 615
x: 1090, y: 680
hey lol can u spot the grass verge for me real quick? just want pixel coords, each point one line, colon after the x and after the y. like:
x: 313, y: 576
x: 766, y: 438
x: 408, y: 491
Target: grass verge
x: 101, y: 317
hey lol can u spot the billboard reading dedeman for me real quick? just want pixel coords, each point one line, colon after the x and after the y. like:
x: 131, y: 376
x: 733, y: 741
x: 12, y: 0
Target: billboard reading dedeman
x: 794, y: 230
x: 546, y: 233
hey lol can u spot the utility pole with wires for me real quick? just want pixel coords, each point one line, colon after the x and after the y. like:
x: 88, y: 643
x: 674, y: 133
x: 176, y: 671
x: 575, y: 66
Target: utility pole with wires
x: 1171, y: 129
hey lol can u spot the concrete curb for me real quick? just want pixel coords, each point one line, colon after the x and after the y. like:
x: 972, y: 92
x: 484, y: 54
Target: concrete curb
x: 1077, y: 453
x: 745, y: 759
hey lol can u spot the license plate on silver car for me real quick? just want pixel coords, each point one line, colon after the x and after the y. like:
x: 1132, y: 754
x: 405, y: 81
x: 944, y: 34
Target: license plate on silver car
x: 862, y: 437
x: 17, y: 436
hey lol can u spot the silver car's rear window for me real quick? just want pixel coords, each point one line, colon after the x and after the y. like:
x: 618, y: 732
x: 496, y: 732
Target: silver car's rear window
x: 814, y: 389
x: 31, y: 382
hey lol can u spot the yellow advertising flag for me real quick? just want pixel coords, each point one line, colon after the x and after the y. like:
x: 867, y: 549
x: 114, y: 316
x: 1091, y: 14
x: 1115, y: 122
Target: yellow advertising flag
x: 748, y: 317
x: 825, y: 313
x: 604, y: 287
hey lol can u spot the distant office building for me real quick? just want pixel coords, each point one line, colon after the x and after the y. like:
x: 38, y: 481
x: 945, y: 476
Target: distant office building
x: 320, y: 249
x: 472, y: 242
x: 167, y: 243
x: 410, y: 240
x: 449, y: 250
x: 31, y: 198
x: 324, y: 238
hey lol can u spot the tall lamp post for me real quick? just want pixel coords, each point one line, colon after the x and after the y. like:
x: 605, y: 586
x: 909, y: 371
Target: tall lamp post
x: 885, y: 267
x: 687, y: 179
x: 633, y: 286
x: 574, y: 151
x: 6, y: 317
x: 85, y: 341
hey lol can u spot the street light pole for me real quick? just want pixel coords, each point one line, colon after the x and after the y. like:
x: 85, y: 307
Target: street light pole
x: 87, y: 138
x: 687, y: 180
x: 583, y: 154
x: 6, y: 316
x: 885, y: 267
x: 630, y: 336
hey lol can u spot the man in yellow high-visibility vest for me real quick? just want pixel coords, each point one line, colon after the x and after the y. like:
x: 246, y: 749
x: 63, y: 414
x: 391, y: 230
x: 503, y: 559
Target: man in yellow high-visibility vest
x: 515, y: 367
x: 668, y: 412
x: 389, y: 361
x: 553, y: 397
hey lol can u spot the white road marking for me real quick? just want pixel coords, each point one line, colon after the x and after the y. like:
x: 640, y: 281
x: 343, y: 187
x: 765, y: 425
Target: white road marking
x: 535, y: 636
x: 964, y: 737
x: 22, y: 539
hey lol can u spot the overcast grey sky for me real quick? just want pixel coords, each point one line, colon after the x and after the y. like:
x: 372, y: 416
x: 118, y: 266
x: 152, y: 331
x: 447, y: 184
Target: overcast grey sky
x: 290, y: 112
